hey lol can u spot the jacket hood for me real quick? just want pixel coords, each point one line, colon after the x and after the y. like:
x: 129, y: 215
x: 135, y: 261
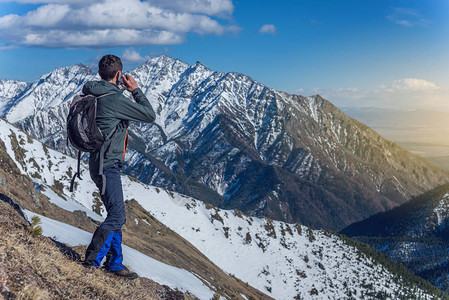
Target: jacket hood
x: 98, y: 88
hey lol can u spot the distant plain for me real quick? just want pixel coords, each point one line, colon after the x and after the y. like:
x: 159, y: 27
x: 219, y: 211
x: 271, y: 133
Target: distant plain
x: 424, y: 133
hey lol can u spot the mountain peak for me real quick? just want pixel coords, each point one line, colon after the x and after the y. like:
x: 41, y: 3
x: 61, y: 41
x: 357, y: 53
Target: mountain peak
x: 51, y: 89
x: 200, y: 66
x: 68, y: 71
x: 80, y: 68
x: 163, y: 58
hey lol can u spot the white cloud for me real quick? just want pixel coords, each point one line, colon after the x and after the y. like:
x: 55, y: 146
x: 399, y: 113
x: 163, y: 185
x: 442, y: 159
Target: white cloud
x: 46, y: 1
x: 65, y: 23
x: 47, y: 15
x: 130, y: 55
x: 407, y: 17
x: 209, y: 7
x: 10, y: 47
x: 410, y: 93
x: 268, y: 28
x: 413, y: 84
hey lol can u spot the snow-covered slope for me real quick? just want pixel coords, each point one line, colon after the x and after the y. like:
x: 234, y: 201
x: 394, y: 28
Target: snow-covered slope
x: 9, y: 89
x: 229, y: 140
x: 140, y: 263
x: 283, y: 260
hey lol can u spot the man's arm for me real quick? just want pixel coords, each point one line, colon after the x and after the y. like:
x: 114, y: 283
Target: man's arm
x: 139, y: 111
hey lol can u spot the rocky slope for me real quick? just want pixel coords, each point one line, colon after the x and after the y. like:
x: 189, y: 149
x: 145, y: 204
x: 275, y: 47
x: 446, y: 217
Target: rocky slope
x: 228, y: 140
x: 282, y: 260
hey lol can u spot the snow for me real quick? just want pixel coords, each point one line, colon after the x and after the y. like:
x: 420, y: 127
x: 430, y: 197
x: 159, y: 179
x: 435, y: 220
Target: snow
x: 274, y: 268
x: 313, y: 110
x: 51, y: 89
x: 69, y: 204
x: 9, y: 89
x: 138, y: 262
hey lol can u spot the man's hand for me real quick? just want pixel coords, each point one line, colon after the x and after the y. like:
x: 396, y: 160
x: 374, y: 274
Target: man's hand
x: 129, y: 82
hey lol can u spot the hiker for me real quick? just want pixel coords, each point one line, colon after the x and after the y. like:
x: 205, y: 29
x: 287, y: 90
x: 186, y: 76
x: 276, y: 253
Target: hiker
x: 114, y: 112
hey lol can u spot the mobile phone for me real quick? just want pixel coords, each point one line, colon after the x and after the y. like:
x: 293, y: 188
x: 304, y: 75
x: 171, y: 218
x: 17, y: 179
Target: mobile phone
x: 120, y: 81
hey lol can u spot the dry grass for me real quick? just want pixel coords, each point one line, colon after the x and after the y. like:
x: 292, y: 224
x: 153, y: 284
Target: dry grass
x: 34, y: 268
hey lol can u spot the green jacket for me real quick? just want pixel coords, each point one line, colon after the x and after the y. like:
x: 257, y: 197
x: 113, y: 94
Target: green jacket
x: 116, y: 110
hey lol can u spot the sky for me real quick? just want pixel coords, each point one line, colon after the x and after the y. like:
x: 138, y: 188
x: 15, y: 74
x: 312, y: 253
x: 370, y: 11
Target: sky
x: 355, y: 53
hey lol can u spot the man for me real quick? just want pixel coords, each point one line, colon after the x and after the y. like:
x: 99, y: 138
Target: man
x: 114, y: 111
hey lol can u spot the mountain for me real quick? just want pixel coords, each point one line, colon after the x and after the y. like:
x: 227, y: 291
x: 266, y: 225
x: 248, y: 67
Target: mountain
x: 52, y: 89
x: 415, y: 234
x: 9, y: 89
x: 225, y: 251
x: 228, y: 140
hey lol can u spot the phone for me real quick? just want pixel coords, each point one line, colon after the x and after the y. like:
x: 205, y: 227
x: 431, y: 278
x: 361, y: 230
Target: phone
x: 120, y: 81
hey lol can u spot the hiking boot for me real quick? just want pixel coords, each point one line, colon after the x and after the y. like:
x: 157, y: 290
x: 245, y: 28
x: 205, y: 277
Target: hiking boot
x: 88, y: 266
x: 125, y: 273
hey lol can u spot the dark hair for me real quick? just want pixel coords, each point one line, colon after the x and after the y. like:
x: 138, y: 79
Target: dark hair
x: 108, y: 66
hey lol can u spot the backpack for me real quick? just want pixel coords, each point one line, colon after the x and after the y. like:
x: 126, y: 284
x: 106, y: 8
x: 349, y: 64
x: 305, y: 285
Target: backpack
x: 83, y: 132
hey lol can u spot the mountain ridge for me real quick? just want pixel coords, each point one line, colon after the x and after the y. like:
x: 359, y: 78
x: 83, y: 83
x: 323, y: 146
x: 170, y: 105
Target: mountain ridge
x: 415, y: 234
x: 250, y: 147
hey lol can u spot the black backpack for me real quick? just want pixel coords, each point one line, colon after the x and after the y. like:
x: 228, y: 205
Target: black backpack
x: 83, y: 132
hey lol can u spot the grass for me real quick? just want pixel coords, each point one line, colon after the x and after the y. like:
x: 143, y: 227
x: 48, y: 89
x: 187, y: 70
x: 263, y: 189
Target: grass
x: 32, y: 267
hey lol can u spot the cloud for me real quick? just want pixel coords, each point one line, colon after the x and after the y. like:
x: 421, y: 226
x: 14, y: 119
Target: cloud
x: 105, y: 23
x: 410, y: 93
x: 10, y: 47
x: 412, y: 84
x: 209, y: 7
x: 407, y: 17
x: 46, y: 1
x: 220, y: 8
x: 130, y: 55
x: 268, y: 28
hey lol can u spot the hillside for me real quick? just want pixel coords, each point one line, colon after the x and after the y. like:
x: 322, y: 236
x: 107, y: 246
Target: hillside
x: 228, y: 140
x: 213, y: 250
x: 34, y: 267
x: 415, y: 234
x: 27, y: 175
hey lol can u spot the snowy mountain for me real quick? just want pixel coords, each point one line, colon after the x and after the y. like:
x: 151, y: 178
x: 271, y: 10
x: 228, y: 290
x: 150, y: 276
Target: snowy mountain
x: 50, y: 90
x: 228, y: 140
x: 280, y: 259
x: 9, y: 89
x: 415, y: 234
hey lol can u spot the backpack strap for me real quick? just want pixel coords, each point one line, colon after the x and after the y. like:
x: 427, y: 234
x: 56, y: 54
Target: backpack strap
x: 77, y: 174
x: 101, y: 165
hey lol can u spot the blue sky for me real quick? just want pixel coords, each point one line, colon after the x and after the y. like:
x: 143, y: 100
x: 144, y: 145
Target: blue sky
x: 382, y: 53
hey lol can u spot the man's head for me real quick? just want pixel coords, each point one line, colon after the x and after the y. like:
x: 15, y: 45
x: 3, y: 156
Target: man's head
x: 108, y: 66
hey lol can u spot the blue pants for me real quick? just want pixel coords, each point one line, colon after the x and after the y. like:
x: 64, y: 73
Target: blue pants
x: 107, y: 239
